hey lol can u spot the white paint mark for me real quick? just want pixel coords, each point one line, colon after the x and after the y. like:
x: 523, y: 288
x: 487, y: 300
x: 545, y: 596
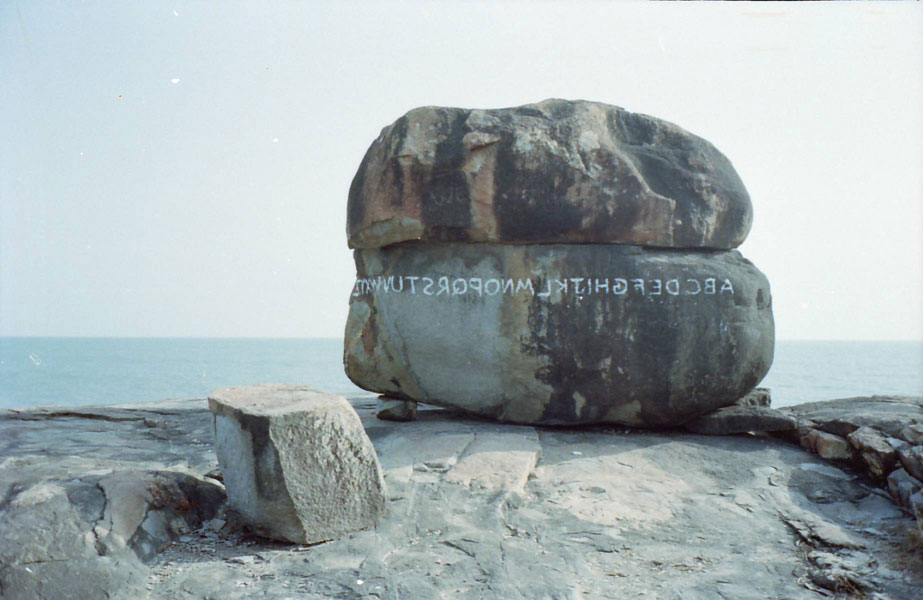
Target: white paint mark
x: 175, y: 80
x: 577, y: 287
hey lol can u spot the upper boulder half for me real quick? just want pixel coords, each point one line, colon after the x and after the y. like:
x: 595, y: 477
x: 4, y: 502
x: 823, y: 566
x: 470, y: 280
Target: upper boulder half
x: 558, y: 171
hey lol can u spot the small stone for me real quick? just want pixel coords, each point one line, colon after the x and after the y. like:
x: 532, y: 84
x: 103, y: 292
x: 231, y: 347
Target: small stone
x: 827, y: 446
x: 875, y: 451
x: 215, y: 524
x: 911, y: 458
x: 902, y: 486
x: 756, y: 397
x: 913, y: 433
x: 393, y: 409
x: 916, y: 504
x: 741, y: 419
x: 297, y: 463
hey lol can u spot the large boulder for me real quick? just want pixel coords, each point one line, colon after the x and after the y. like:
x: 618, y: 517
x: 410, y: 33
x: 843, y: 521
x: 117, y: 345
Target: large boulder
x: 554, y: 172
x: 557, y: 334
x: 296, y: 462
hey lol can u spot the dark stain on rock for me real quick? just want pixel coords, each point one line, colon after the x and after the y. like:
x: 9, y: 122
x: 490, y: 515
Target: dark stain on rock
x: 446, y: 206
x: 396, y: 136
x: 268, y: 485
x: 527, y: 206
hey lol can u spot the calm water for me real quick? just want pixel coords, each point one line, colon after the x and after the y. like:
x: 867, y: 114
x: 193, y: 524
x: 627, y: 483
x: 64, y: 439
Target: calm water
x: 80, y: 371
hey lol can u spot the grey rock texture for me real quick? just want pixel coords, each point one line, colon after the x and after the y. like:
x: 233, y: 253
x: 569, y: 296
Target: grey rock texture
x: 874, y: 449
x: 911, y: 458
x: 876, y: 435
x: 594, y: 513
x: 391, y: 409
x: 88, y: 495
x: 903, y: 486
x: 559, y: 334
x: 756, y: 397
x: 827, y: 445
x: 297, y: 463
x: 741, y: 419
x: 894, y: 416
x: 557, y: 171
x: 483, y: 510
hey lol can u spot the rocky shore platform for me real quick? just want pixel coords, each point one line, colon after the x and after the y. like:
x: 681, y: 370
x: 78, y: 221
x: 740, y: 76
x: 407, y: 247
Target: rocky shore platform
x: 127, y: 502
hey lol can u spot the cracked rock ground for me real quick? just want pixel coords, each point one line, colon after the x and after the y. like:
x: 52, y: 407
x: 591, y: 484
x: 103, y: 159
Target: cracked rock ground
x: 476, y: 510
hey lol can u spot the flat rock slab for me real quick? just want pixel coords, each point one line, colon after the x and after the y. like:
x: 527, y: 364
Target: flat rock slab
x: 741, y: 419
x: 604, y: 513
x: 90, y: 494
x: 553, y: 172
x: 560, y: 334
x: 899, y: 417
x: 297, y: 463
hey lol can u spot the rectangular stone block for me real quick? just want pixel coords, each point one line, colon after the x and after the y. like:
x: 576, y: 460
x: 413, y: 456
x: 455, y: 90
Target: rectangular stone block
x: 296, y: 462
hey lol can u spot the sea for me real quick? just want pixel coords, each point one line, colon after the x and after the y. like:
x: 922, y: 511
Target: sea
x: 87, y: 371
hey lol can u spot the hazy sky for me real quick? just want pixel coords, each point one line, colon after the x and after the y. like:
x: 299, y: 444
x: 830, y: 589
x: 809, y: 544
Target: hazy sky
x: 181, y: 168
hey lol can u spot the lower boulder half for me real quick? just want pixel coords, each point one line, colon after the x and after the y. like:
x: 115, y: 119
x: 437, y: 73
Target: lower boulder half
x: 560, y: 334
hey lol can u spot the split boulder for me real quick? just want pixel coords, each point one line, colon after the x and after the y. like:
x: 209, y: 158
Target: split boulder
x: 563, y: 262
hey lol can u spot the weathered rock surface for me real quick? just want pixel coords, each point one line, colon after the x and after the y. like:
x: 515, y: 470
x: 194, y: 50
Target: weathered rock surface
x: 741, y: 419
x: 296, y: 462
x: 600, y: 512
x: 894, y: 416
x: 553, y: 172
x: 881, y: 441
x: 878, y: 455
x: 391, y: 409
x: 903, y: 486
x: 87, y: 494
x: 911, y: 458
x: 827, y: 445
x: 560, y: 334
x: 756, y: 397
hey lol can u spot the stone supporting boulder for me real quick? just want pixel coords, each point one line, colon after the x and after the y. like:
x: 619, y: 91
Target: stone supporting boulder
x: 296, y: 462
x: 559, y: 334
x: 553, y: 172
x: 392, y: 409
x: 741, y: 419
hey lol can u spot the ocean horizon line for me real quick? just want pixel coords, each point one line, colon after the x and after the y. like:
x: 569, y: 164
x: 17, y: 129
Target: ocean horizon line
x: 322, y: 337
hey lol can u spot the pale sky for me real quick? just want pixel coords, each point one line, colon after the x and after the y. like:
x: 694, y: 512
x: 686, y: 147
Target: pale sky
x: 182, y: 168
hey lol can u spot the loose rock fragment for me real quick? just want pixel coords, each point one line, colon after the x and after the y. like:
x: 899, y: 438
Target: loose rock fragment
x: 911, y: 458
x: 875, y: 451
x: 756, y: 397
x: 827, y: 445
x: 741, y: 419
x: 391, y: 409
x: 902, y: 487
x: 297, y: 464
